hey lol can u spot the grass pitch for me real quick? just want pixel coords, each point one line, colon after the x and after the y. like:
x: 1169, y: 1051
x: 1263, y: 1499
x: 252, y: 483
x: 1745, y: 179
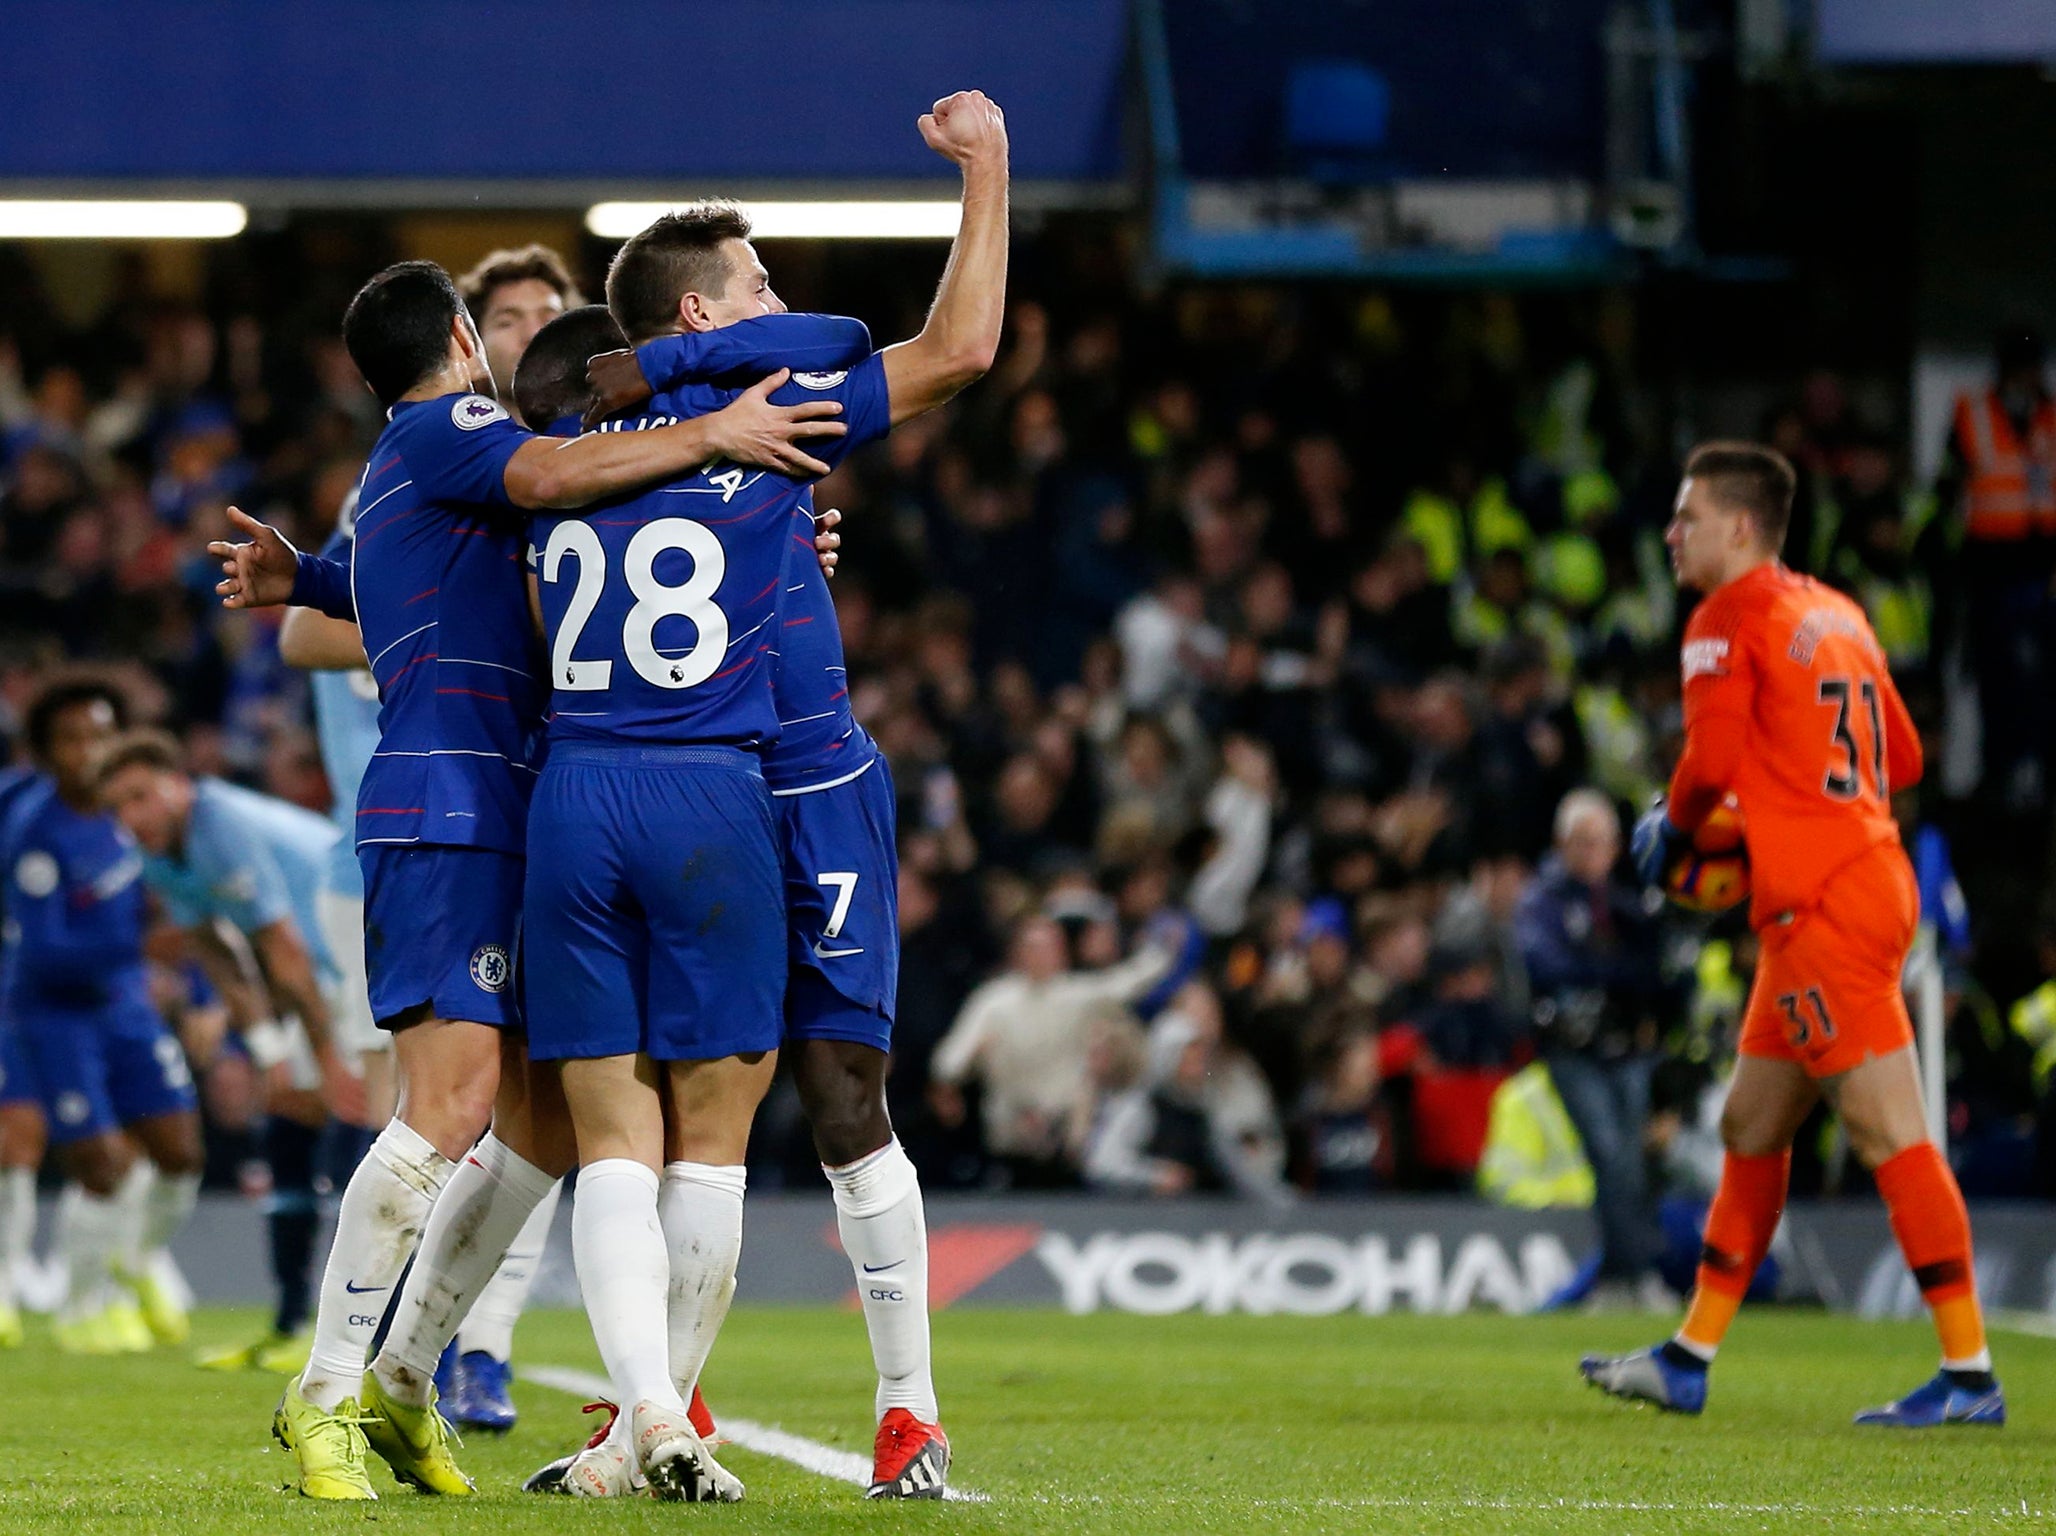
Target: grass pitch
x: 1122, y: 1424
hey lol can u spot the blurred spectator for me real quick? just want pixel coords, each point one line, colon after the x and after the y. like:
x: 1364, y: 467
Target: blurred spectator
x: 1593, y: 956
x: 1999, y: 481
x: 1023, y: 1038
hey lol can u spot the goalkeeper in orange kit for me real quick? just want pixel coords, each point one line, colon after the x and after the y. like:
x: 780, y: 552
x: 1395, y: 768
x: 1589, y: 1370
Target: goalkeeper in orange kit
x: 1790, y: 707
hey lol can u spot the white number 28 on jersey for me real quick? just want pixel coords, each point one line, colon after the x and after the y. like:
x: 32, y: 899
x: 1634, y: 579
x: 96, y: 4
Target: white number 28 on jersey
x: 692, y: 600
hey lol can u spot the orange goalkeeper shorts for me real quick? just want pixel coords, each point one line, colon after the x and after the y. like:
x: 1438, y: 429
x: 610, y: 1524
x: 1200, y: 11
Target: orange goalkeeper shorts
x: 1827, y: 992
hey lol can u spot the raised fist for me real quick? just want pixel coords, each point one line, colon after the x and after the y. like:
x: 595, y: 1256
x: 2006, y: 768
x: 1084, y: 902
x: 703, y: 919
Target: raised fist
x: 966, y: 127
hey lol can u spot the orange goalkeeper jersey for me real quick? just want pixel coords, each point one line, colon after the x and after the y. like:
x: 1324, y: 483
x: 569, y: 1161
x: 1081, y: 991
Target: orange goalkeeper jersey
x: 1790, y: 705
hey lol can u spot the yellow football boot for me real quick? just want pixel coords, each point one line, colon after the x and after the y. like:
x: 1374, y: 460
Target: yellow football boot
x: 284, y: 1353
x: 162, y: 1314
x: 11, y: 1335
x: 125, y: 1323
x: 415, y: 1442
x: 86, y: 1333
x: 328, y: 1448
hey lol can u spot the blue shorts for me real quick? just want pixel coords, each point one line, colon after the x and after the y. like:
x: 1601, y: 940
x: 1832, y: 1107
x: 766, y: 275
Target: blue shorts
x: 98, y: 1071
x: 654, y: 918
x: 17, y: 1083
x: 442, y: 926
x: 841, y: 858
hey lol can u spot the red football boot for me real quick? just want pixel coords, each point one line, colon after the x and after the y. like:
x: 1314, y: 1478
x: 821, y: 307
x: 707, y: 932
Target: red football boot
x: 910, y: 1460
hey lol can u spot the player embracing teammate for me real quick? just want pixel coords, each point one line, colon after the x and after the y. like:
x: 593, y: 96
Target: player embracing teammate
x: 1790, y: 707
x: 662, y: 880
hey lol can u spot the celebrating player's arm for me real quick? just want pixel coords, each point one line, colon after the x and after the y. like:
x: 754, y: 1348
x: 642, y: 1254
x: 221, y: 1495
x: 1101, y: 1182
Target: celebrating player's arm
x: 961, y: 338
x: 533, y: 474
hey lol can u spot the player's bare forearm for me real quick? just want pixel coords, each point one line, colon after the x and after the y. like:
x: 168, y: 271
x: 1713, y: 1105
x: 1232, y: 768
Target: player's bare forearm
x: 961, y: 338
x: 229, y: 972
x: 290, y: 970
x: 556, y: 474
x: 314, y: 642
x: 552, y: 474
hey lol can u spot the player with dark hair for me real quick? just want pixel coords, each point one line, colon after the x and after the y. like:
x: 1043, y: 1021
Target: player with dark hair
x: 113, y: 1081
x: 512, y: 294
x: 442, y: 810
x: 681, y: 285
x: 1789, y: 707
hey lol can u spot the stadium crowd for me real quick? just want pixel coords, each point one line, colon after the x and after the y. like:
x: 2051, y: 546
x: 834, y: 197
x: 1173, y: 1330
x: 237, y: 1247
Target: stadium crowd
x: 1263, y: 676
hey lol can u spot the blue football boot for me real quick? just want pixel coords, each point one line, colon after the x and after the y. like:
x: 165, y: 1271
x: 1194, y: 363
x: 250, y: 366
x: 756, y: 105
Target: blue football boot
x: 1646, y: 1376
x: 1940, y: 1401
x: 446, y: 1373
x: 478, y: 1398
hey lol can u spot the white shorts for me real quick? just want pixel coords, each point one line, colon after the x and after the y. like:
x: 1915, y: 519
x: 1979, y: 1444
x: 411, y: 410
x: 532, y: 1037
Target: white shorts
x: 349, y: 999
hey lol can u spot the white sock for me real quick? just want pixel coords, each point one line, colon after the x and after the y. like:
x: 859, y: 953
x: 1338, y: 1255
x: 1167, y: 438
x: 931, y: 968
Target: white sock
x: 701, y: 1208
x: 478, y: 1214
x: 1981, y: 1361
x: 624, y: 1272
x: 884, y: 1229
x: 91, y: 1237
x: 378, y: 1223
x: 170, y: 1201
x: 490, y: 1325
x: 17, y: 1227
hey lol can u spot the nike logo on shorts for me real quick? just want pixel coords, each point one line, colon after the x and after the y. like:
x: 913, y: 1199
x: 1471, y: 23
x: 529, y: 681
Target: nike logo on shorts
x: 831, y: 954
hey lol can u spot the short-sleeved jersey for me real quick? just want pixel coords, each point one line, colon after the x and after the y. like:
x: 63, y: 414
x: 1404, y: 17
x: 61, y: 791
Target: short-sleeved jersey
x: 346, y: 725
x: 249, y: 858
x: 436, y: 574
x: 75, y: 909
x: 1795, y: 663
x: 819, y: 742
x: 666, y: 613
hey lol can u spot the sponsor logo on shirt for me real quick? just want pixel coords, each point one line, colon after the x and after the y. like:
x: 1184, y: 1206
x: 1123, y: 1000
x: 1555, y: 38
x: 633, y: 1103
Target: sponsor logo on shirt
x: 819, y: 380
x: 490, y: 968
x: 1706, y: 658
x: 470, y: 412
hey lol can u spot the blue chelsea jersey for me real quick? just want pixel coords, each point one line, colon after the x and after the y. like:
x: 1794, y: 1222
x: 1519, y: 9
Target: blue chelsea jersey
x: 346, y: 725
x: 819, y: 741
x: 666, y: 613
x: 436, y: 576
x: 75, y: 908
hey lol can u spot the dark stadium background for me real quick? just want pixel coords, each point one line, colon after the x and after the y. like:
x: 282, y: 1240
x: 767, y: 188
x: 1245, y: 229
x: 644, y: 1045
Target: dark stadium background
x: 1237, y: 355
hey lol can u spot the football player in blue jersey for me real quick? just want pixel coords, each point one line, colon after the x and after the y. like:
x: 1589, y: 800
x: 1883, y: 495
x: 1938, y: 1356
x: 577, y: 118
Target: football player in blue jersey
x: 113, y: 1080
x: 671, y: 573
x: 23, y: 1133
x: 511, y: 294
x: 434, y: 585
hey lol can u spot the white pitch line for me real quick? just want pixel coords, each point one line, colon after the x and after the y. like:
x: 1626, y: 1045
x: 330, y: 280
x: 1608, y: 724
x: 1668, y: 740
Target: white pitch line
x: 765, y: 1439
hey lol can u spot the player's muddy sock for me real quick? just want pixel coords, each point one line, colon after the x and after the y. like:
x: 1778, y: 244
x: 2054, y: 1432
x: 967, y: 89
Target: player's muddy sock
x: 884, y: 1230
x: 480, y: 1211
x: 1933, y: 1228
x: 90, y: 1236
x: 292, y: 1217
x: 166, y: 1207
x: 624, y: 1271
x: 377, y: 1225
x: 1739, y: 1227
x: 17, y: 1225
x: 701, y: 1208
x: 490, y: 1324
